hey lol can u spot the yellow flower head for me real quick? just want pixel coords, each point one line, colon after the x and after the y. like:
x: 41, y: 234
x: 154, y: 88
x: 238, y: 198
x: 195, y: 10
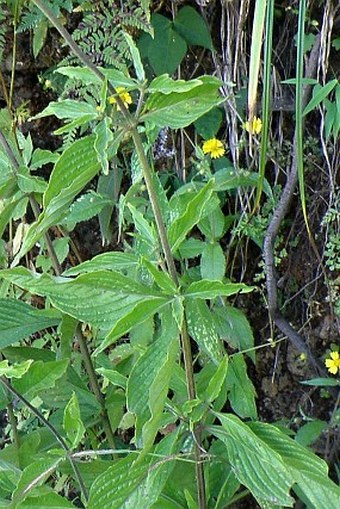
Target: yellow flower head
x: 253, y: 127
x: 123, y: 95
x: 213, y: 147
x: 333, y: 363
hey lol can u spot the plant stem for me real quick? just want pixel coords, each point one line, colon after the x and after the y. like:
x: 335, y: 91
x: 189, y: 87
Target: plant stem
x: 147, y: 174
x: 52, y: 429
x: 95, y: 387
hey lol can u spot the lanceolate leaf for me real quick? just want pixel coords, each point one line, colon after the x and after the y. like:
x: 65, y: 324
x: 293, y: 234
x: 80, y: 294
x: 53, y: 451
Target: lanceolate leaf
x: 115, y: 260
x: 149, y: 381
x: 308, y: 470
x: 18, y: 320
x: 256, y: 465
x: 241, y: 390
x: 73, y: 170
x: 205, y: 289
x: 179, y: 110
x: 202, y: 328
x: 100, y: 298
x: 40, y: 376
x: 193, y: 213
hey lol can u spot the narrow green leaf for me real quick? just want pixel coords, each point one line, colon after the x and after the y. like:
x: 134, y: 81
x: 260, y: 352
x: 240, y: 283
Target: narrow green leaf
x: 137, y: 62
x: 138, y: 314
x: 114, y: 377
x: 310, y: 432
x: 166, y: 85
x: 18, y: 320
x: 47, y: 501
x: 202, y: 328
x: 233, y: 327
x: 114, y: 260
x: 241, y: 389
x: 194, y: 211
x: 104, y: 136
x: 149, y: 381
x: 86, y: 206
x: 212, y: 262
x: 87, y: 77
x: 322, y: 382
x: 205, y: 289
x: 320, y: 94
x: 68, y: 108
x: 256, y: 465
x: 162, y: 279
x: 217, y: 381
x: 72, y: 422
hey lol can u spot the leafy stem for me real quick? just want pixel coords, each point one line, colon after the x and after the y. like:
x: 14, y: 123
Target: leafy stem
x: 147, y: 174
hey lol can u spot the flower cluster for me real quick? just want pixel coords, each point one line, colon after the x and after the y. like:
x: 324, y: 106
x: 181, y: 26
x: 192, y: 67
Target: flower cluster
x: 253, y: 127
x: 123, y: 95
x: 333, y: 363
x: 214, y: 147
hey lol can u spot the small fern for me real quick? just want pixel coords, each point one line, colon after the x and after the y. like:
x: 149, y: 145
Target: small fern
x: 100, y: 33
x: 32, y: 16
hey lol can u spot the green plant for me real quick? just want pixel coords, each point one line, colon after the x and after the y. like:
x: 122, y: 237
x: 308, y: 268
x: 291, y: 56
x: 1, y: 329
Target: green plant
x: 141, y: 334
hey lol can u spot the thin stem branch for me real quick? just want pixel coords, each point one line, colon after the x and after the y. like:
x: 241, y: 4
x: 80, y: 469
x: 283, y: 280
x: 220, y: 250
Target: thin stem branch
x: 53, y: 430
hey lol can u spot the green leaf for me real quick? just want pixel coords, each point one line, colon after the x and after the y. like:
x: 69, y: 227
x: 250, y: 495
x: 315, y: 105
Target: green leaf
x: 137, y: 62
x: 47, y: 501
x: 73, y: 170
x: 112, y: 295
x: 15, y: 371
x: 114, y: 260
x: 104, y: 136
x: 193, y: 28
x: 29, y: 184
x: 86, y: 206
x: 308, y: 470
x: 217, y: 381
x: 41, y: 157
x: 36, y: 472
x: 233, y: 327
x: 114, y: 487
x: 228, y: 178
x: 310, y: 432
x: 166, y: 85
x: 166, y: 50
x: 68, y: 108
x: 201, y: 327
x: 209, y: 125
x: 39, y: 36
x: 194, y: 211
x: 87, y: 77
x: 319, y: 94
x: 161, y: 278
x: 241, y: 390
x: 40, y: 376
x: 149, y: 381
x: 206, y: 289
x: 114, y: 377
x: 322, y: 382
x: 212, y: 262
x: 213, y: 225
x: 177, y: 110
x: 18, y: 320
x: 138, y: 314
x: 255, y: 463
x: 72, y: 423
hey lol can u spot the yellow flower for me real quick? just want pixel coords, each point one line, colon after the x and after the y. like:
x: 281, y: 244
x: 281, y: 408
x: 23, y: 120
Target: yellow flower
x: 255, y: 127
x: 213, y: 147
x: 333, y: 364
x: 123, y: 95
